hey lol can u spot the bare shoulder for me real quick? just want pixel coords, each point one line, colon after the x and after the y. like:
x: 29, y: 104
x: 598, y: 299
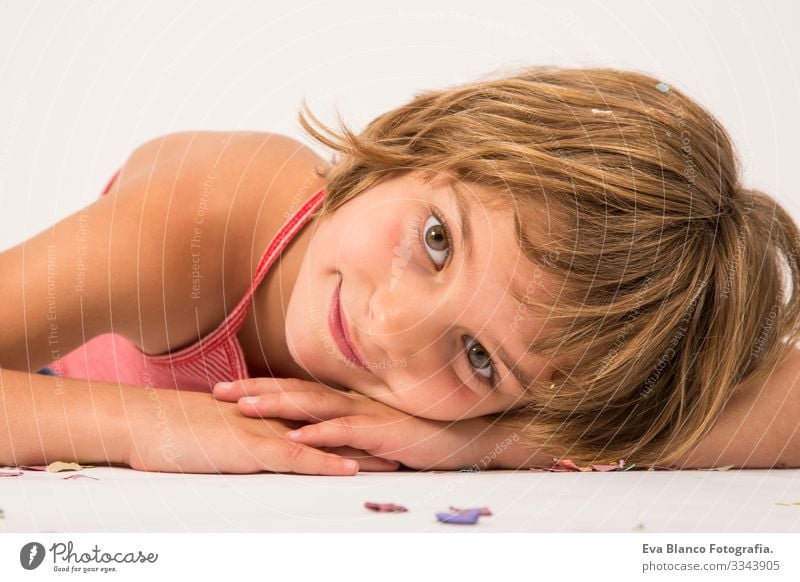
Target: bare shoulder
x: 235, y: 160
x: 223, y: 196
x: 758, y: 427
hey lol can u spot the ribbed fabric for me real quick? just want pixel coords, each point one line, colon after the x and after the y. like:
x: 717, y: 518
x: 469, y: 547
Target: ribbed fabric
x: 217, y: 357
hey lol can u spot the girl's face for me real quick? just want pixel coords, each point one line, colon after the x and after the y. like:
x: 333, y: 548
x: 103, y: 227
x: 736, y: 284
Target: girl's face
x: 425, y: 316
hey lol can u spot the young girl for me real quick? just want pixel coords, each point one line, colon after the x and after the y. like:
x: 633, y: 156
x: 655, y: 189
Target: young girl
x: 556, y: 263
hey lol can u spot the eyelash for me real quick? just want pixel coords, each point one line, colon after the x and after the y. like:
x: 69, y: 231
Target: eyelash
x: 419, y: 238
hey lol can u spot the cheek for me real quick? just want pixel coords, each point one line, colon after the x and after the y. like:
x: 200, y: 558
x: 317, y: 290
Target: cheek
x: 437, y: 401
x: 372, y: 237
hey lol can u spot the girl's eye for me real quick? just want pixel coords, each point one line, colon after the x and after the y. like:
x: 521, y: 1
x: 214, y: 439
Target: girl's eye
x: 479, y: 359
x: 437, y: 239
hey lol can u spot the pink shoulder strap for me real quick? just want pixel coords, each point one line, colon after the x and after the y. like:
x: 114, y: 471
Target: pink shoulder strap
x: 111, y: 181
x: 230, y: 325
x: 279, y: 242
x: 227, y: 330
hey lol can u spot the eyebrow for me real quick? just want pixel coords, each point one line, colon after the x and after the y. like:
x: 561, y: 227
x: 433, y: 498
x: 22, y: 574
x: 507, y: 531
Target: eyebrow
x: 465, y: 235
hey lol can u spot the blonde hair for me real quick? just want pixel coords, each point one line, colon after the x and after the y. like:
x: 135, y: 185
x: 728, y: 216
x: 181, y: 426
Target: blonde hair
x: 678, y: 285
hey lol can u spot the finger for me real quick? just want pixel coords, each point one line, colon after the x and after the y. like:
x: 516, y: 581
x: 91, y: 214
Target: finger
x: 366, y: 462
x: 285, y: 457
x: 232, y: 391
x: 309, y: 406
x: 360, y: 432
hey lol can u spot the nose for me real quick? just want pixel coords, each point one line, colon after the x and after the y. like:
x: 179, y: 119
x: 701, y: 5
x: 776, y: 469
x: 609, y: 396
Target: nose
x: 403, y: 323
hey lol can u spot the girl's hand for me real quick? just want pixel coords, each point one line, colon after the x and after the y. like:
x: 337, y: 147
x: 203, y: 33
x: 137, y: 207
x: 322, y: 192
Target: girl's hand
x: 355, y: 420
x: 191, y: 432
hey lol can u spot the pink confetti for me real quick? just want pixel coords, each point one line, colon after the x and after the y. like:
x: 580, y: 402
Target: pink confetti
x: 80, y: 475
x: 34, y: 467
x: 481, y: 510
x: 11, y: 473
x: 567, y: 466
x: 384, y: 507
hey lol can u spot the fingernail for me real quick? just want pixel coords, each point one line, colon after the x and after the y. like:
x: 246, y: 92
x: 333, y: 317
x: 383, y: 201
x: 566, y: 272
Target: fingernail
x: 293, y: 434
x: 223, y: 385
x: 350, y: 465
x: 249, y: 399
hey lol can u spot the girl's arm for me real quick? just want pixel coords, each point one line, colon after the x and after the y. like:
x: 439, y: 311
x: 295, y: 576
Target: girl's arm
x: 759, y: 427
x: 47, y: 418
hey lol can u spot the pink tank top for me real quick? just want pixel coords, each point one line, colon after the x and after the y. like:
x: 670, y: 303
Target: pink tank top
x: 217, y: 357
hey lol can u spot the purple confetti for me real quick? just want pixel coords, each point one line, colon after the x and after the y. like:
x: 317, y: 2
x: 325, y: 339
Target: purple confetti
x: 385, y: 507
x: 80, y: 475
x: 481, y: 510
x: 468, y: 517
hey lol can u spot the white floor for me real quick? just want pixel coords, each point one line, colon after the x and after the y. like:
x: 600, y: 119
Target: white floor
x: 648, y: 501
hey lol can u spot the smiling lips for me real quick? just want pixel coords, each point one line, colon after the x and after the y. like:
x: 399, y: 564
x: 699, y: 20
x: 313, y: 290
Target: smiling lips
x: 338, y: 329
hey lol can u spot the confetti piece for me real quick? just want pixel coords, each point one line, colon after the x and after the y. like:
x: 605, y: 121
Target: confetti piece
x: 723, y: 468
x: 80, y: 476
x: 784, y: 503
x: 57, y: 466
x: 569, y: 465
x: 468, y: 517
x: 2, y: 515
x: 481, y: 510
x: 565, y: 466
x: 663, y: 87
x: 468, y: 470
x: 638, y: 527
x: 385, y: 507
x: 11, y: 473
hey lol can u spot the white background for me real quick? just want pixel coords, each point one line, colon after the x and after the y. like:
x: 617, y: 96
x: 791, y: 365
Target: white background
x: 82, y: 83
